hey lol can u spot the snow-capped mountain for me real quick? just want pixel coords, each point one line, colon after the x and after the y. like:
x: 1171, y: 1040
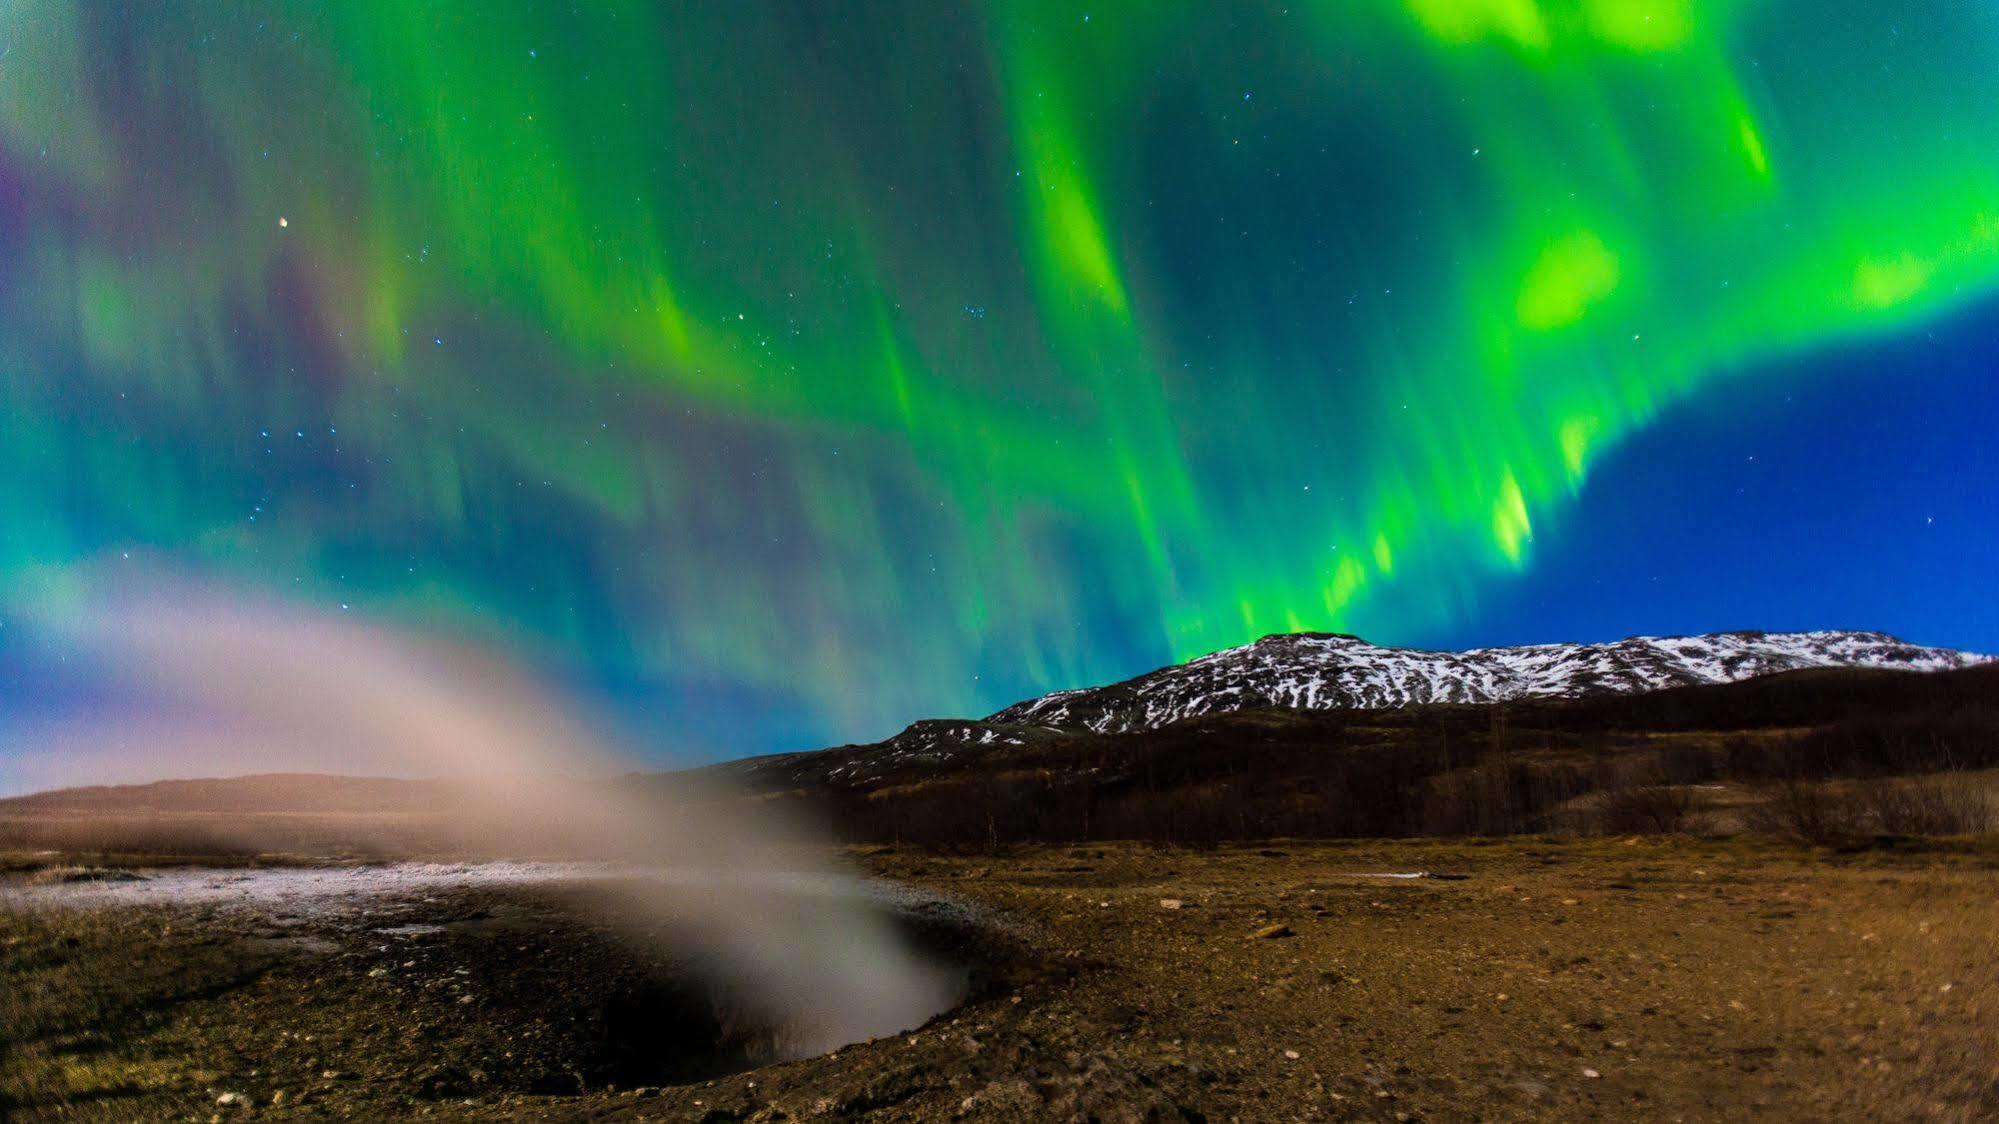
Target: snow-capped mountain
x: 1324, y: 671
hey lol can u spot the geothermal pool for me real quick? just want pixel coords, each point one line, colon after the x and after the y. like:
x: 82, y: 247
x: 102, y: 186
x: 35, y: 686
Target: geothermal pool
x: 767, y: 942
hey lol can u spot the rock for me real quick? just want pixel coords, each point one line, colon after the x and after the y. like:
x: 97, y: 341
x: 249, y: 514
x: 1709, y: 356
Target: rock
x: 1171, y: 903
x: 1591, y: 1073
x: 443, y: 1081
x: 233, y: 1099
x: 1291, y: 1054
x: 1010, y: 1097
x: 1271, y: 933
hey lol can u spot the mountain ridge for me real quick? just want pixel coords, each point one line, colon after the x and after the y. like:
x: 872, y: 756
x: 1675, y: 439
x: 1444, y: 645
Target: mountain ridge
x: 1334, y: 671
x: 1339, y: 671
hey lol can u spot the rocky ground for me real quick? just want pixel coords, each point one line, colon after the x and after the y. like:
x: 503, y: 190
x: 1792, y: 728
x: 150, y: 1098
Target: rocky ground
x: 1641, y: 979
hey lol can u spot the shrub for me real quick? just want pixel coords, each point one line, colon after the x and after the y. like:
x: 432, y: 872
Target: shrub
x: 1943, y: 804
x: 1660, y: 809
x: 1811, y: 812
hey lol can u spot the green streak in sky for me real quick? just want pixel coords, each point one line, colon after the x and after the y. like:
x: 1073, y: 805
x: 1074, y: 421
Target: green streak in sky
x: 778, y: 349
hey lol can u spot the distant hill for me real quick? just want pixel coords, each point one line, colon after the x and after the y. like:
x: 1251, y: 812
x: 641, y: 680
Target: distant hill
x: 264, y: 793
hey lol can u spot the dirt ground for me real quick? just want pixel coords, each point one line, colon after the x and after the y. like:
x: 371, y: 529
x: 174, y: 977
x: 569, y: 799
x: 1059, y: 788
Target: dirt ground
x: 1608, y: 979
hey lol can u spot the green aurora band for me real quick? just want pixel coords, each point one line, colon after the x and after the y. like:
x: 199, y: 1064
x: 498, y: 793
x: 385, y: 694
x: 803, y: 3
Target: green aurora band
x: 948, y: 350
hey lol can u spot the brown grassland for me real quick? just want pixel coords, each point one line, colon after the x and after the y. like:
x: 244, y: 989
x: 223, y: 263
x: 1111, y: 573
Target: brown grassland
x: 1652, y: 978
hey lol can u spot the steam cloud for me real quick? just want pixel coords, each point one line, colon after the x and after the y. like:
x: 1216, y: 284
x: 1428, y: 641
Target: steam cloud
x: 228, y: 684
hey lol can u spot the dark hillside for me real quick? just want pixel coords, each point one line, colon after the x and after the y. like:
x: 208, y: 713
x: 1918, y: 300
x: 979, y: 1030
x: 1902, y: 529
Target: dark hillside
x: 1434, y: 770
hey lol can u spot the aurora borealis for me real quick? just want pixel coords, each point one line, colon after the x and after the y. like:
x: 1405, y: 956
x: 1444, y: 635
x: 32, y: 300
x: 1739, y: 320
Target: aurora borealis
x: 799, y: 370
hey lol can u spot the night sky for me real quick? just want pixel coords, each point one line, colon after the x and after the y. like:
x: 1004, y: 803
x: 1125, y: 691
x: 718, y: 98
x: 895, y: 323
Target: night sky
x: 776, y: 374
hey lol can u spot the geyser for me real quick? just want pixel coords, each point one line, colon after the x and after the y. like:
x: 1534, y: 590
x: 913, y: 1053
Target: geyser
x: 212, y: 682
